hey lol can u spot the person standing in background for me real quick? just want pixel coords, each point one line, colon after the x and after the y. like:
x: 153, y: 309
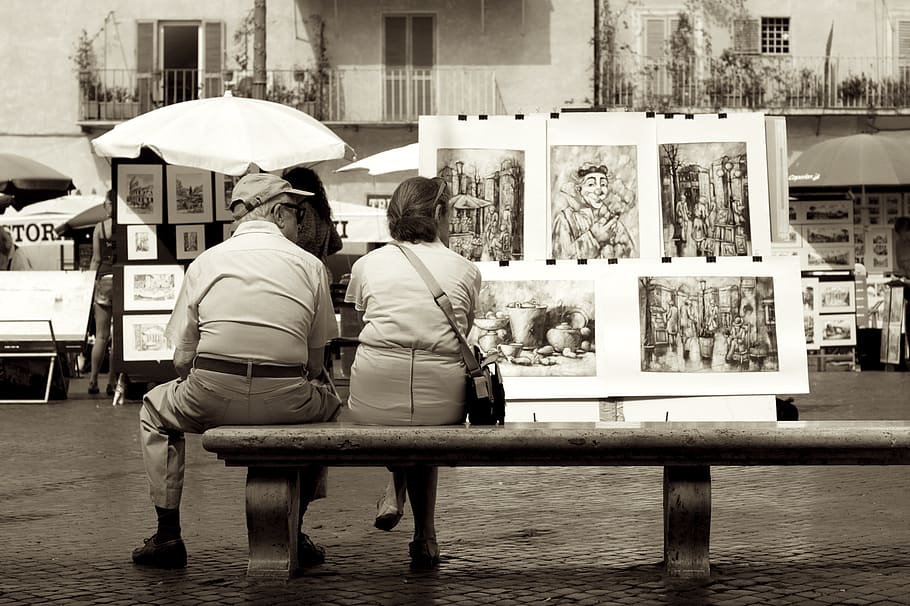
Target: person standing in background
x: 103, y: 259
x: 12, y: 257
x: 316, y: 232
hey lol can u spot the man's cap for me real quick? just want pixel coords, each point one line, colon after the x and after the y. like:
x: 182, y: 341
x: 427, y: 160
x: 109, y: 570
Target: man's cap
x: 258, y: 188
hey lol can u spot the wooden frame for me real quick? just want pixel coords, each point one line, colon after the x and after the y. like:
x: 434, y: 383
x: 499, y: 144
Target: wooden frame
x: 189, y: 195
x: 140, y: 197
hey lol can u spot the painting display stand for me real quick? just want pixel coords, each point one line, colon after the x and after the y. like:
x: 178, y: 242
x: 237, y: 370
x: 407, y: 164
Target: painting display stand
x: 30, y: 372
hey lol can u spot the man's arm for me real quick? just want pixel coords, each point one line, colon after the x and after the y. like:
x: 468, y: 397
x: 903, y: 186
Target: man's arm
x: 315, y: 362
x: 183, y: 362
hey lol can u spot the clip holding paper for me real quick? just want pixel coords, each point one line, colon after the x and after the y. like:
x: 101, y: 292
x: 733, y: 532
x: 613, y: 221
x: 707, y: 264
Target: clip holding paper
x: 649, y: 114
x: 710, y: 259
x: 668, y: 116
x: 722, y: 115
x: 554, y: 115
x: 551, y: 261
x: 612, y: 261
x: 756, y: 258
x: 482, y: 117
x: 462, y: 117
x: 503, y: 263
x: 519, y: 116
x: 666, y: 259
x: 581, y: 261
x: 690, y: 116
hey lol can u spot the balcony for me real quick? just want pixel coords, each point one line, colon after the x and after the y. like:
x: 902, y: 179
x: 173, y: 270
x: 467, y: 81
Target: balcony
x: 344, y: 95
x: 776, y: 84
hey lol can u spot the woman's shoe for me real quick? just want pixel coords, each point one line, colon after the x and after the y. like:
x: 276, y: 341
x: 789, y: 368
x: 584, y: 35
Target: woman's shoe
x: 424, y: 554
x: 93, y: 388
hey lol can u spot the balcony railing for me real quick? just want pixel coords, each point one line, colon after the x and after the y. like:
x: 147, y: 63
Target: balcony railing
x: 785, y: 83
x: 343, y: 94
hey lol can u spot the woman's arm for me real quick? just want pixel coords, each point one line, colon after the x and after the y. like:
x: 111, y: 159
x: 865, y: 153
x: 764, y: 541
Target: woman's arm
x: 96, y: 249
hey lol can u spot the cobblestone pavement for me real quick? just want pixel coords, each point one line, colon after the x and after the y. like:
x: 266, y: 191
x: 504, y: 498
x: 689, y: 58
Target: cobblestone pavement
x: 74, y: 504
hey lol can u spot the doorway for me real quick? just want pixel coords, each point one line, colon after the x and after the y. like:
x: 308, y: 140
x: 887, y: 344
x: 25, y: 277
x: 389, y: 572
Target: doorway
x: 179, y: 62
x: 408, y: 58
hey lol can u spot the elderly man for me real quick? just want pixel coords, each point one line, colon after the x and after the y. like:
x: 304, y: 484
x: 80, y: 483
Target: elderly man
x: 249, y: 329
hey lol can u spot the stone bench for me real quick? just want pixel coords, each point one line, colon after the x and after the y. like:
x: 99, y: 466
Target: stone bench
x: 686, y: 451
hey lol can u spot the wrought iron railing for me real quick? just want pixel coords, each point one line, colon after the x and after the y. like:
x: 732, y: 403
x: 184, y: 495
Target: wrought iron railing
x: 775, y: 82
x: 342, y: 94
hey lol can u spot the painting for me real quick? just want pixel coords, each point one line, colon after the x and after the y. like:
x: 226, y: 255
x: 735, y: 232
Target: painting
x: 190, y: 241
x: 828, y: 256
x: 140, y: 196
x: 810, y: 313
x: 877, y: 300
x: 859, y: 244
x: 836, y: 297
x: 189, y: 195
x: 892, y: 207
x: 825, y: 211
x: 378, y: 200
x: 892, y: 325
x: 496, y: 171
x: 602, y: 186
x: 713, y: 186
x: 879, y: 250
x: 151, y: 287
x: 141, y: 243
x: 144, y: 338
x: 224, y: 187
x: 837, y: 329
x: 540, y: 319
x: 732, y: 327
x: 827, y: 233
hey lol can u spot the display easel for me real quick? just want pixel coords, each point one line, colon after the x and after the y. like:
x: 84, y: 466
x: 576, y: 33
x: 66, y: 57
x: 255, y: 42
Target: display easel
x: 28, y: 364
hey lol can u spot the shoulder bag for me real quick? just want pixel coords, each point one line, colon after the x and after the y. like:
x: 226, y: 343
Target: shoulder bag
x: 485, y: 396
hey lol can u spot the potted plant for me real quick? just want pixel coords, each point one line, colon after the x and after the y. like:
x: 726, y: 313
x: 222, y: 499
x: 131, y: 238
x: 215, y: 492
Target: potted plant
x: 89, y: 84
x: 853, y: 90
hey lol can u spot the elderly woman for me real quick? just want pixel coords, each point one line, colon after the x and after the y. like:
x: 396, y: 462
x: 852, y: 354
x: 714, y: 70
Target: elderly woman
x: 408, y: 368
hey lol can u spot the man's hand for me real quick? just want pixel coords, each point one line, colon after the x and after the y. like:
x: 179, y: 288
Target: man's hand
x: 183, y: 362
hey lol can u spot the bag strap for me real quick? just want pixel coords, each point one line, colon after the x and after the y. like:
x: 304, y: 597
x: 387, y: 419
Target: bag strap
x: 442, y: 300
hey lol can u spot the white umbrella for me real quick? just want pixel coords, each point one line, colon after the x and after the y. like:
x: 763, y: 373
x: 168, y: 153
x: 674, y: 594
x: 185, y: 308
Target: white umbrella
x: 390, y: 161
x: 360, y: 223
x: 226, y: 135
x: 68, y: 206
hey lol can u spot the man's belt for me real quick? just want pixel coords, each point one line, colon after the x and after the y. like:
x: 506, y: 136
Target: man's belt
x: 249, y: 369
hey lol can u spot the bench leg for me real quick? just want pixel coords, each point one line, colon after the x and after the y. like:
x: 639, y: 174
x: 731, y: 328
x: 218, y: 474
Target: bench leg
x: 687, y: 520
x: 272, y: 521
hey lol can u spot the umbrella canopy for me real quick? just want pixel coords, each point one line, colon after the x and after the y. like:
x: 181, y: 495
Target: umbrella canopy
x: 30, y: 181
x: 854, y: 160
x: 65, y: 206
x: 88, y: 216
x: 225, y: 134
x: 359, y: 223
x: 390, y: 161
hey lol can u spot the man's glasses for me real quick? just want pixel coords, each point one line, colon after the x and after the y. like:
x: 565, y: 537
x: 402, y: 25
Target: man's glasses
x: 298, y: 211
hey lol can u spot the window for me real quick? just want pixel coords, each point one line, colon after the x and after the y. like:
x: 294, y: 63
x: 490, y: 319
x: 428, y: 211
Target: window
x: 775, y: 35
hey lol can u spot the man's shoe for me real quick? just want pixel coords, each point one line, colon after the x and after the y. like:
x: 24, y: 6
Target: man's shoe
x: 167, y: 554
x: 308, y: 552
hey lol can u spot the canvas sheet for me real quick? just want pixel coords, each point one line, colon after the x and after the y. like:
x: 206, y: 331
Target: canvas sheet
x: 603, y: 186
x: 496, y: 169
x: 714, y: 185
x: 691, y: 327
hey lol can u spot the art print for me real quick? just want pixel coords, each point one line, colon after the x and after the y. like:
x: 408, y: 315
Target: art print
x: 602, y: 193
x: 810, y: 311
x: 827, y: 233
x: 224, y: 188
x: 139, y: 194
x: 190, y: 241
x: 837, y: 330
x: 891, y: 207
x: 836, y: 297
x: 540, y: 319
x: 143, y: 338
x: 496, y: 172
x: 189, y: 195
x: 825, y: 211
x: 151, y: 287
x: 828, y: 256
x: 141, y: 243
x: 892, y: 325
x: 859, y: 244
x: 879, y: 247
x: 714, y: 186
x: 732, y: 327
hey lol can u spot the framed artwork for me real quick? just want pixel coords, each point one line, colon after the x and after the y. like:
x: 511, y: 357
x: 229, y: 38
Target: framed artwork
x: 602, y: 165
x: 837, y: 329
x: 892, y: 207
x: 810, y: 311
x: 140, y: 198
x: 189, y: 195
x: 541, y: 320
x: 228, y: 230
x: 836, y: 297
x: 828, y: 256
x: 827, y: 233
x: 825, y: 211
x: 879, y: 249
x: 143, y: 338
x: 859, y: 244
x: 733, y: 327
x: 190, y: 241
x: 378, y: 200
x: 224, y: 187
x: 141, y: 243
x: 151, y: 287
x: 714, y: 186
x: 892, y: 325
x: 496, y: 169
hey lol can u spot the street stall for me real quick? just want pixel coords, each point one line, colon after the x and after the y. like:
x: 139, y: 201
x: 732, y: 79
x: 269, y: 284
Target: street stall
x: 173, y: 170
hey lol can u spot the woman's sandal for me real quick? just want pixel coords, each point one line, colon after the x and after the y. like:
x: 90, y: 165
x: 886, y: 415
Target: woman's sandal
x: 424, y: 554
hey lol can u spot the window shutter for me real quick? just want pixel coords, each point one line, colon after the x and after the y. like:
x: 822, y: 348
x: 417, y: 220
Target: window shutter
x: 903, y: 41
x: 214, y: 58
x: 145, y: 64
x: 747, y: 36
x: 654, y: 37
